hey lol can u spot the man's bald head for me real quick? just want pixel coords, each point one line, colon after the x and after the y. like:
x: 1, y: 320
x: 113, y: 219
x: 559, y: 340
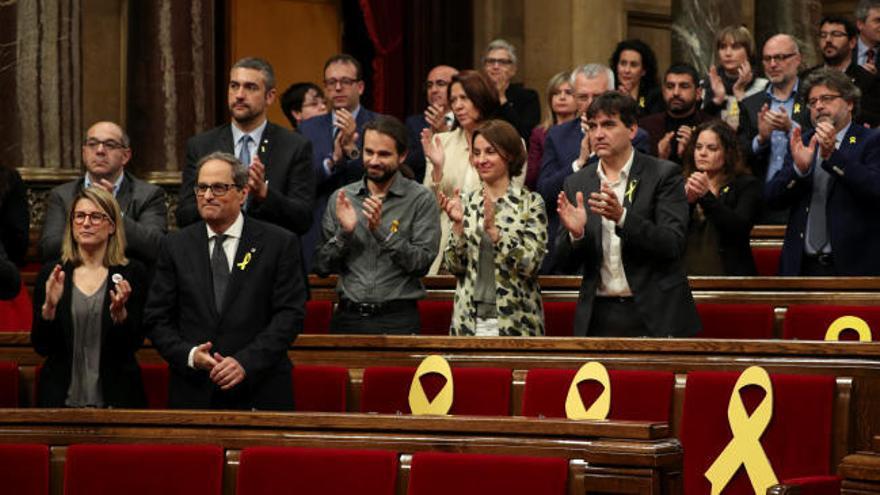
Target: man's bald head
x: 436, y: 86
x: 781, y: 58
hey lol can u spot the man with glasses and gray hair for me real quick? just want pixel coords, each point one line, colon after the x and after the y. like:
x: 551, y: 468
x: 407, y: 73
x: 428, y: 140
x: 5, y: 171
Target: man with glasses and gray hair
x: 105, y: 153
x: 519, y: 105
x: 438, y: 116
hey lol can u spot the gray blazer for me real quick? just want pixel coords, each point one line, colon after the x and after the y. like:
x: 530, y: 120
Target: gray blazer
x: 143, y: 210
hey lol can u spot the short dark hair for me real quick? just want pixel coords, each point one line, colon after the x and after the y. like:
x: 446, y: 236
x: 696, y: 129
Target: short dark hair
x: 344, y: 58
x: 836, y: 81
x: 259, y: 64
x: 683, y: 68
x: 649, y: 62
x: 479, y: 90
x: 734, y: 162
x: 294, y: 96
x: 615, y: 103
x: 506, y: 141
x: 850, y: 27
x: 391, y: 127
x: 864, y: 6
x: 239, y: 171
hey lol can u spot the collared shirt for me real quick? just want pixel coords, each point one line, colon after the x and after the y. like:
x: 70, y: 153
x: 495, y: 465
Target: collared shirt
x: 612, y: 280
x: 87, y: 182
x: 779, y: 139
x: 821, y: 178
x: 230, y: 244
x: 256, y: 135
x: 385, y: 264
x: 328, y: 161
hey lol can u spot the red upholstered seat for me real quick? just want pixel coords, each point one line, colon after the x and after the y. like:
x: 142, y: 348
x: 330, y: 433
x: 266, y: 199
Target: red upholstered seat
x: 301, y: 471
x: 797, y: 441
x: 635, y: 395
x: 435, y: 473
x: 318, y: 315
x: 436, y: 316
x: 140, y: 469
x: 767, y: 260
x: 320, y: 388
x: 8, y: 384
x: 155, y: 379
x: 24, y: 469
x: 17, y: 314
x: 559, y: 318
x: 477, y: 391
x: 736, y: 321
x: 811, y: 321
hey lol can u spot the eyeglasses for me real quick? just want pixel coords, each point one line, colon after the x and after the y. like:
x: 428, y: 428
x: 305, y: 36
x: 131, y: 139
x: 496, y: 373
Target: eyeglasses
x: 779, y: 58
x: 832, y: 34
x: 95, y: 217
x: 109, y: 144
x: 498, y: 61
x: 216, y: 189
x: 439, y: 83
x: 825, y: 99
x: 344, y: 81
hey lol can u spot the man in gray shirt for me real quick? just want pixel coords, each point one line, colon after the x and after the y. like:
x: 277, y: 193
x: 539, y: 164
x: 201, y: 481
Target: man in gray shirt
x: 380, y: 234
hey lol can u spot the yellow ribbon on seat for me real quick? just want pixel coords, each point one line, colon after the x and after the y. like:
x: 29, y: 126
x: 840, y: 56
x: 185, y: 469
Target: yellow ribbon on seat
x: 849, y: 322
x: 574, y: 403
x: 745, y: 446
x: 418, y: 400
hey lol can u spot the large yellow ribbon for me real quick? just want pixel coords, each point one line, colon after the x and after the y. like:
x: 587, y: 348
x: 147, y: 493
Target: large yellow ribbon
x: 846, y: 322
x: 745, y: 446
x: 418, y: 400
x: 574, y: 403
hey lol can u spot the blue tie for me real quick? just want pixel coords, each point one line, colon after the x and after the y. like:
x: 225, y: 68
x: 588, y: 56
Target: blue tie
x: 244, y: 156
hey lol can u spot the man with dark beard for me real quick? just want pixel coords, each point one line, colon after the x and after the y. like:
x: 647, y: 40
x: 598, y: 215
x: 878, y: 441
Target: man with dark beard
x: 671, y: 129
x: 380, y: 234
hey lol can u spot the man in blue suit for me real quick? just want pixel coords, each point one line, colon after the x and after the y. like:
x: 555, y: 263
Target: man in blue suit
x: 336, y: 138
x: 832, y: 185
x: 438, y: 116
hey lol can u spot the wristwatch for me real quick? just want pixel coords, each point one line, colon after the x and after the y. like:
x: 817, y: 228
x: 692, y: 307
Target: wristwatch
x: 354, y: 154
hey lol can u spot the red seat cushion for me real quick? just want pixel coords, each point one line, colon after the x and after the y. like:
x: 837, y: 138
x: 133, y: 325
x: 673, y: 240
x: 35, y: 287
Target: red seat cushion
x: 811, y: 321
x: 635, y: 395
x: 318, y: 315
x: 17, y: 314
x: 8, y: 384
x: 736, y: 321
x: 301, y: 471
x: 767, y: 260
x: 477, y: 391
x: 140, y: 469
x: 24, y: 469
x: 559, y: 318
x: 436, y: 316
x: 155, y: 379
x: 435, y: 473
x: 797, y: 441
x: 320, y: 388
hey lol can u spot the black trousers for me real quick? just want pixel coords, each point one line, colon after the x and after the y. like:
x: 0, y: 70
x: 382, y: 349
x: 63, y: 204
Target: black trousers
x: 616, y: 317
x: 392, y: 318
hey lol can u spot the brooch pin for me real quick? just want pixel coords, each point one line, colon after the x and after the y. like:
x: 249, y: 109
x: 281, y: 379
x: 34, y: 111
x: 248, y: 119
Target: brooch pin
x: 797, y: 108
x: 247, y: 259
x: 263, y: 146
x: 852, y: 140
x: 395, y: 226
x: 642, y: 101
x: 631, y: 189
x: 726, y: 188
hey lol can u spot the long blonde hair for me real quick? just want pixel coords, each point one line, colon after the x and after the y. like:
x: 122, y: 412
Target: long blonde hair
x: 115, y: 252
x: 556, y: 81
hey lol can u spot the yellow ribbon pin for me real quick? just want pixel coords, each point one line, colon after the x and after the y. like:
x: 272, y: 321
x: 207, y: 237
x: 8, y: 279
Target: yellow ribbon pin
x: 642, y: 101
x: 726, y: 188
x: 849, y: 322
x: 631, y: 189
x: 734, y: 108
x: 244, y: 262
x: 574, y: 403
x: 745, y: 446
x: 852, y: 140
x: 797, y: 108
x: 418, y: 400
x: 395, y: 225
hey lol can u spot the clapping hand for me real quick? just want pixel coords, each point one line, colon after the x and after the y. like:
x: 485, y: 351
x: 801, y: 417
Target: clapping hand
x: 54, y: 291
x: 118, y: 298
x: 572, y: 216
x: 453, y: 208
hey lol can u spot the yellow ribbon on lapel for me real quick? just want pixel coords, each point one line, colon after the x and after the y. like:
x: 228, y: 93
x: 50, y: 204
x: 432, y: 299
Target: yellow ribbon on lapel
x: 574, y: 403
x: 745, y: 446
x: 844, y: 322
x: 797, y: 108
x: 631, y: 189
x: 418, y: 400
x: 852, y: 140
x: 244, y: 262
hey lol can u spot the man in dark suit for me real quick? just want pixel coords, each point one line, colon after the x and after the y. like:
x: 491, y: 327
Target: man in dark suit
x: 105, y: 153
x: 227, y: 300
x: 280, y: 177
x: 766, y: 118
x: 10, y: 279
x: 832, y: 186
x: 336, y: 139
x: 438, y: 116
x: 631, y: 245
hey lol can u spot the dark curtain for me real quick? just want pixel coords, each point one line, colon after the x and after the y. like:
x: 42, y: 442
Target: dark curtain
x: 384, y: 21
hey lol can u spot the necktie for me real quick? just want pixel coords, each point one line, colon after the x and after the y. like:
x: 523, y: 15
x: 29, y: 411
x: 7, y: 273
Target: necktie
x: 219, y: 270
x: 870, y: 56
x: 817, y: 226
x: 244, y: 156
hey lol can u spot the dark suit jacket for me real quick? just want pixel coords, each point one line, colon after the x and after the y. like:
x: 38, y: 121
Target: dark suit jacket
x: 523, y: 109
x: 287, y: 157
x: 318, y: 130
x: 868, y: 84
x: 653, y: 240
x: 10, y: 280
x: 263, y: 311
x: 14, y: 216
x: 119, y: 371
x: 415, y: 157
x: 851, y: 210
x: 143, y: 209
x: 561, y: 148
x: 733, y: 214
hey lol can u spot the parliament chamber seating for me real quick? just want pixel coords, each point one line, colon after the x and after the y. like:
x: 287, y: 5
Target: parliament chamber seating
x: 155, y: 379
x: 24, y: 469
x: 18, y: 313
x: 736, y: 321
x: 320, y: 388
x: 9, y: 384
x: 811, y: 321
x: 440, y: 473
x: 767, y: 260
x: 435, y: 316
x: 318, y: 315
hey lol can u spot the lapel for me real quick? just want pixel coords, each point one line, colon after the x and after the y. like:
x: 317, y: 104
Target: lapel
x: 631, y: 191
x: 249, y: 248
x: 594, y: 221
x: 124, y: 196
x: 264, y: 148
x: 198, y: 260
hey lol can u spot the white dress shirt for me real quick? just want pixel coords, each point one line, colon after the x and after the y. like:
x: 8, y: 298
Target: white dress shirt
x: 612, y: 280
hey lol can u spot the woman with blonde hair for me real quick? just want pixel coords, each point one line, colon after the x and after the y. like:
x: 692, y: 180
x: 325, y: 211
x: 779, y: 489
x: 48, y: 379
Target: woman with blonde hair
x: 87, y: 312
x: 561, y: 108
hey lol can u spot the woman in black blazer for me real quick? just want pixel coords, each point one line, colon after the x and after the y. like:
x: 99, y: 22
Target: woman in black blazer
x: 725, y: 201
x: 87, y: 312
